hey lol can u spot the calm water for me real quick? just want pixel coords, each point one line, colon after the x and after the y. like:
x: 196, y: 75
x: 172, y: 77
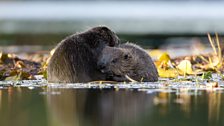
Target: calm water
x: 41, y: 106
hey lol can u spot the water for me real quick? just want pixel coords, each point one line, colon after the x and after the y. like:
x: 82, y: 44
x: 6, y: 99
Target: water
x: 153, y: 104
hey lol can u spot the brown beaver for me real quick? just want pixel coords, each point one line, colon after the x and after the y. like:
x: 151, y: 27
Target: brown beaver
x: 75, y: 57
x: 125, y: 62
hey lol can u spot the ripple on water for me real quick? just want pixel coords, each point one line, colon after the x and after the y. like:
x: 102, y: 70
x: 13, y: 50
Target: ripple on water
x: 163, y: 85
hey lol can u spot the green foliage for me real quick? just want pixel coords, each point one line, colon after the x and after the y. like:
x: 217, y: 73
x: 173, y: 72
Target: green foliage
x: 207, y: 75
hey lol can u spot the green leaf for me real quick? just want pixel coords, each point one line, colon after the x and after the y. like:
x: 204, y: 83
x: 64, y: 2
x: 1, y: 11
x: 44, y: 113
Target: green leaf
x: 207, y: 75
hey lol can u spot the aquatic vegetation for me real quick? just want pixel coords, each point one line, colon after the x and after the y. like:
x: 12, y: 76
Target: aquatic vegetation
x: 186, y: 84
x: 199, y: 65
x: 196, y: 71
x: 213, y: 61
x: 14, y: 68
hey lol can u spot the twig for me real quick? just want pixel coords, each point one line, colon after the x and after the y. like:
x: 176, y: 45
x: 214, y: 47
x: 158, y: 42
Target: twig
x: 219, y: 48
x: 130, y: 79
x: 212, y: 44
x: 203, y: 58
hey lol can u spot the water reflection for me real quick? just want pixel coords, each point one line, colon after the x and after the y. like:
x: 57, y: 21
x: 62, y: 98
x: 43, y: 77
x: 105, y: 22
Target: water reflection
x: 0, y: 99
x: 214, y: 107
x: 184, y: 100
x: 110, y: 107
x: 22, y: 107
x: 125, y: 107
x: 97, y: 107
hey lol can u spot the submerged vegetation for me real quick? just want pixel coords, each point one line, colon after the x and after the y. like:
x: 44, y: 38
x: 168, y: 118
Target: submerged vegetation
x: 194, y: 68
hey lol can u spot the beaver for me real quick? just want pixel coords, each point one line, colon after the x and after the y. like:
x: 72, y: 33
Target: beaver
x: 127, y: 61
x: 75, y: 57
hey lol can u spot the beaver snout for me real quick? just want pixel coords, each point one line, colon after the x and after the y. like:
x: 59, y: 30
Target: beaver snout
x: 102, y: 66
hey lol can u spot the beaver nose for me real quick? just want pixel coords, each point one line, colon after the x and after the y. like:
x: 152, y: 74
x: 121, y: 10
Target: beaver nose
x: 102, y: 67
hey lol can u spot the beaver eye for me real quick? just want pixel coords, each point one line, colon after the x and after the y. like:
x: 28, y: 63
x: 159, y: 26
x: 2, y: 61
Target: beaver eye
x: 114, y: 61
x: 126, y: 56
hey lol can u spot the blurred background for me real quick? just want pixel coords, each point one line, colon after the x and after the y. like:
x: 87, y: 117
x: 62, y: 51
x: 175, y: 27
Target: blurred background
x: 150, y: 23
x: 36, y: 26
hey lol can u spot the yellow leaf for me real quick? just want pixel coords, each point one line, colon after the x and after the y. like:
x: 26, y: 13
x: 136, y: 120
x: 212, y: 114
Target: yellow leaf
x: 170, y: 73
x: 165, y: 58
x: 20, y: 64
x: 163, y: 61
x: 3, y: 56
x: 12, y: 78
x: 155, y: 53
x: 185, y: 66
x: 157, y: 63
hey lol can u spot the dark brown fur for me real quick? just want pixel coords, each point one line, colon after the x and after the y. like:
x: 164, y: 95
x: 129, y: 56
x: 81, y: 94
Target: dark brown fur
x: 127, y: 59
x: 75, y: 57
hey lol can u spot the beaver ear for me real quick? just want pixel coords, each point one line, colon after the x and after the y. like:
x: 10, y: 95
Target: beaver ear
x: 105, y: 28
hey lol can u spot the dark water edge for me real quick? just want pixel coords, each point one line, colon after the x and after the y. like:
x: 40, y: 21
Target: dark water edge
x: 146, y: 40
x: 106, y: 105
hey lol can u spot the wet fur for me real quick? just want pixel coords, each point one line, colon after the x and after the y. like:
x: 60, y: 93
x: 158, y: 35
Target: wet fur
x: 127, y: 59
x: 75, y: 57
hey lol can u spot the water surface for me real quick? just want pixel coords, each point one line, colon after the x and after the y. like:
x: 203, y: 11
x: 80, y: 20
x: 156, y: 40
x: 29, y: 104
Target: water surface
x: 111, y: 105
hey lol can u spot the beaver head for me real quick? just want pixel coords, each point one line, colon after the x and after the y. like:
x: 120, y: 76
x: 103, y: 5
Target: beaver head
x: 127, y: 60
x: 100, y: 36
